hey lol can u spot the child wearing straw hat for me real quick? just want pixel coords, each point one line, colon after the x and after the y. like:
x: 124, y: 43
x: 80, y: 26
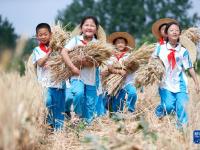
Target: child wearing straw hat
x: 55, y: 93
x: 158, y: 29
x: 123, y: 42
x: 85, y: 85
x: 173, y: 89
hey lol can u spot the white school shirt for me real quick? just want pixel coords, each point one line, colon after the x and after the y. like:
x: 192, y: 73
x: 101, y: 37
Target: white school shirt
x: 130, y: 76
x: 175, y: 80
x: 87, y: 74
x: 43, y: 73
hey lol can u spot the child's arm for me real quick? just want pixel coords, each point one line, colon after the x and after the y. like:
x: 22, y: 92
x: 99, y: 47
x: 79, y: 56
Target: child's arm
x: 194, y: 77
x: 64, y: 53
x: 88, y: 62
x: 116, y: 71
x: 43, y: 60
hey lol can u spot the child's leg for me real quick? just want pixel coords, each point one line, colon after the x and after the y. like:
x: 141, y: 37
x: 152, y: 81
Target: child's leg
x: 89, y: 102
x: 118, y: 101
x: 100, y: 107
x: 68, y: 101
x: 58, y: 96
x: 49, y: 105
x: 107, y: 101
x: 160, y: 110
x: 132, y: 97
x: 168, y: 101
x: 182, y: 100
x: 77, y: 90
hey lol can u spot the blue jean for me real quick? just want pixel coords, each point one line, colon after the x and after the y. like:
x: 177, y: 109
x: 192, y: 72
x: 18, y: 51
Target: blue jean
x: 75, y: 96
x: 118, y: 100
x: 55, y: 100
x: 83, y: 97
x: 173, y: 102
x: 100, y: 105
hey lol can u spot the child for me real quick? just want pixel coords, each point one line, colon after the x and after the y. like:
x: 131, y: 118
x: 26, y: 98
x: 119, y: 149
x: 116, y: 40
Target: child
x: 123, y: 42
x: 174, y: 90
x: 83, y: 88
x: 158, y: 29
x: 54, y: 96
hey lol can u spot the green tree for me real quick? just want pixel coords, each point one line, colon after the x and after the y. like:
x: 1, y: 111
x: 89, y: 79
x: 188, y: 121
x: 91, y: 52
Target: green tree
x: 30, y: 45
x: 7, y: 34
x: 135, y: 17
x: 74, y: 12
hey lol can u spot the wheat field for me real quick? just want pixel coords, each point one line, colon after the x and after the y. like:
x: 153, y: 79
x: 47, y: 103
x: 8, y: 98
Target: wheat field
x: 22, y: 116
x: 22, y: 121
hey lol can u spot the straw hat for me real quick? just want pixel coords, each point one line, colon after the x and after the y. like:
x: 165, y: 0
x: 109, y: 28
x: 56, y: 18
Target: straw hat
x: 190, y: 46
x: 130, y: 39
x: 101, y: 35
x: 157, y: 24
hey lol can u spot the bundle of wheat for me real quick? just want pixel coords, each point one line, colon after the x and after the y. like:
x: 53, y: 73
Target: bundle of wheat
x: 137, y: 58
x: 59, y: 70
x: 143, y: 54
x: 193, y: 34
x: 113, y: 83
x: 98, y: 52
x: 59, y: 37
x: 31, y: 68
x: 151, y: 73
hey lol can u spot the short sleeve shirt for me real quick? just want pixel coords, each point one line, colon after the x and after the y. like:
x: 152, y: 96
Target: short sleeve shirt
x: 175, y: 79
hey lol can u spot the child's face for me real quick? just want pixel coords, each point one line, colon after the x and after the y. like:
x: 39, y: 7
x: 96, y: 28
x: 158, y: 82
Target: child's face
x: 173, y: 32
x: 120, y: 44
x: 162, y: 31
x: 43, y: 35
x: 89, y: 28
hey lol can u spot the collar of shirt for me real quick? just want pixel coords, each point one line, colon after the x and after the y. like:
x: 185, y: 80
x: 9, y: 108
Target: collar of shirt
x: 177, y: 48
x: 161, y: 41
x: 80, y: 37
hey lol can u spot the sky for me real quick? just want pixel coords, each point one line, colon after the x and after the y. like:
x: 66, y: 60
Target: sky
x: 26, y: 14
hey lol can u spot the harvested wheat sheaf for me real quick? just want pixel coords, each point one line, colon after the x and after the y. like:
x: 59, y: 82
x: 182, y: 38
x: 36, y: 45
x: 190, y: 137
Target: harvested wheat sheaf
x: 193, y: 34
x: 59, y: 37
x: 137, y: 58
x: 151, y: 73
x: 96, y: 52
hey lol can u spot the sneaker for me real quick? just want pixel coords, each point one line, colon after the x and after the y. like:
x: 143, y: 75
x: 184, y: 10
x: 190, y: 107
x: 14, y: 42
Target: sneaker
x: 160, y: 112
x: 49, y: 129
x: 68, y: 115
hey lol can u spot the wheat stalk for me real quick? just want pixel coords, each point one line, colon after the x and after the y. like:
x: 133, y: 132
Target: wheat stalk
x: 149, y: 74
x: 137, y: 58
x: 59, y: 37
x: 193, y: 34
x: 98, y: 52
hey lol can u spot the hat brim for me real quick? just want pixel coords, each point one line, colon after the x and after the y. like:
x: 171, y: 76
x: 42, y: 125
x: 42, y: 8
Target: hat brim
x: 130, y: 39
x: 101, y: 35
x: 190, y: 46
x: 157, y: 24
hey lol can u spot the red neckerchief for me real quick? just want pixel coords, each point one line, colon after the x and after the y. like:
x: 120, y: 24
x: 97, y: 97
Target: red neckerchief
x: 161, y: 41
x: 84, y: 42
x: 171, y: 58
x: 121, y: 54
x: 44, y: 48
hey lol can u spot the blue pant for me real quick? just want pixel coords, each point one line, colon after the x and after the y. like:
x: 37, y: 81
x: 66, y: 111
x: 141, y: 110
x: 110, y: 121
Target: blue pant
x: 83, y: 97
x: 101, y: 105
x: 55, y: 100
x: 173, y: 102
x: 118, y: 100
x: 75, y: 96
